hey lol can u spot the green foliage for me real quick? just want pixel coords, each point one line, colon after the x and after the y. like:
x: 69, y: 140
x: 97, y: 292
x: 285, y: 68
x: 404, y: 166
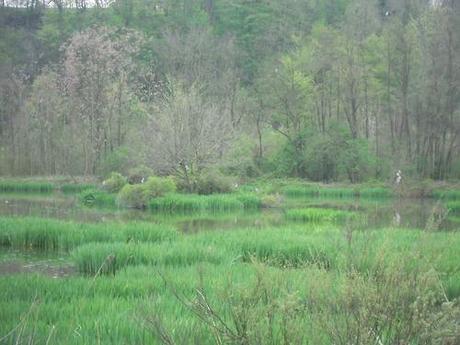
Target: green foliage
x: 446, y: 194
x: 319, y: 215
x: 356, y: 161
x: 453, y: 206
x: 213, y: 182
x: 298, y: 191
x: 96, y: 197
x: 109, y: 258
x: 139, y: 195
x: 139, y: 174
x: 197, y: 203
x: 158, y: 186
x: 114, y: 183
x: 76, y: 187
x: 53, y: 235
x: 239, y: 161
x: 132, y: 196
x: 322, y: 155
x: 118, y: 160
x: 26, y: 187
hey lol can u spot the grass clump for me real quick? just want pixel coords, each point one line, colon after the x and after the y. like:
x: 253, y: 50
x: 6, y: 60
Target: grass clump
x: 443, y: 194
x: 96, y: 197
x: 108, y: 258
x: 51, y: 235
x: 453, y: 206
x: 26, y: 187
x: 298, y: 191
x: 198, y: 203
x: 319, y: 215
x: 76, y: 187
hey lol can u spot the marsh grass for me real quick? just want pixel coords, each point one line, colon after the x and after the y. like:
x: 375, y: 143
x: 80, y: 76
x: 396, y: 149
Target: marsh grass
x: 53, y: 235
x: 300, y: 191
x: 297, y: 283
x: 319, y: 215
x: 183, y: 203
x: 108, y: 258
x: 76, y: 187
x: 96, y: 197
x: 453, y: 194
x: 453, y: 206
x: 384, y: 306
x: 26, y: 187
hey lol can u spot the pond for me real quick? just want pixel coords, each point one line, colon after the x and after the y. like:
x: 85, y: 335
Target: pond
x: 377, y: 213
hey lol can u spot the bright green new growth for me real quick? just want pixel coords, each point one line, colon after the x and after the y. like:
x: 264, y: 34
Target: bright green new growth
x: 344, y: 192
x: 139, y: 195
x: 47, y: 234
x: 198, y: 203
x: 26, y: 187
x: 114, y: 183
x: 319, y: 215
x: 446, y: 194
x: 96, y: 258
x: 96, y: 197
x: 76, y: 187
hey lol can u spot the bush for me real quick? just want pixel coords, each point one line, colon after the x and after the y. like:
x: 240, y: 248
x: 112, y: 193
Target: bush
x: 139, y: 174
x: 114, y: 183
x: 117, y: 160
x: 158, y: 186
x: 93, y: 197
x: 214, y: 182
x: 138, y: 195
x: 241, y: 160
x: 132, y: 196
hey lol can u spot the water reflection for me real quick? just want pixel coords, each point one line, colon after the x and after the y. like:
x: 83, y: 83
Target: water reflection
x: 408, y: 213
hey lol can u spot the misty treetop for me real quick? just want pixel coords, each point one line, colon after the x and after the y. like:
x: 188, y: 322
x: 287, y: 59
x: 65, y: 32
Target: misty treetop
x: 326, y: 90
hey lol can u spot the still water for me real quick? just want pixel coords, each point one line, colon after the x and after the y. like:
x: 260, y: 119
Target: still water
x: 377, y: 213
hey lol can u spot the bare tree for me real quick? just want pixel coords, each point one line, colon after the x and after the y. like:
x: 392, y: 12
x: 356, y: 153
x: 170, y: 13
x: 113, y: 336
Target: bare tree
x: 187, y: 133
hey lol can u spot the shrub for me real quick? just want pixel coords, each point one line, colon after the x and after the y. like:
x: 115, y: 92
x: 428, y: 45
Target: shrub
x: 114, y: 183
x: 139, y: 174
x: 117, y: 160
x: 138, y: 195
x: 92, y: 197
x: 272, y: 201
x: 214, y: 182
x: 158, y: 186
x: 132, y: 196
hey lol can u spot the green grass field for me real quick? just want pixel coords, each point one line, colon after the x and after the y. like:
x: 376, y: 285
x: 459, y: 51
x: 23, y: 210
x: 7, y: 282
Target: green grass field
x: 315, y: 279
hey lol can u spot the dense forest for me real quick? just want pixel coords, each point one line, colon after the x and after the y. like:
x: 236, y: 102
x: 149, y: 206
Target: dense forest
x: 327, y: 90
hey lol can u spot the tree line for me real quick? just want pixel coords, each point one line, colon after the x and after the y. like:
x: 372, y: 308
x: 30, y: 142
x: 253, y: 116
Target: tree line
x: 327, y: 90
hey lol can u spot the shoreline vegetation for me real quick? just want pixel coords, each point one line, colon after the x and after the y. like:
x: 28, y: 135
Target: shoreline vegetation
x: 230, y: 172
x: 285, y: 187
x: 142, y: 271
x: 319, y: 275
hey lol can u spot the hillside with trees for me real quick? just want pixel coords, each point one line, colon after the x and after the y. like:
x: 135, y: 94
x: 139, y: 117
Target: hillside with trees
x: 326, y: 90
